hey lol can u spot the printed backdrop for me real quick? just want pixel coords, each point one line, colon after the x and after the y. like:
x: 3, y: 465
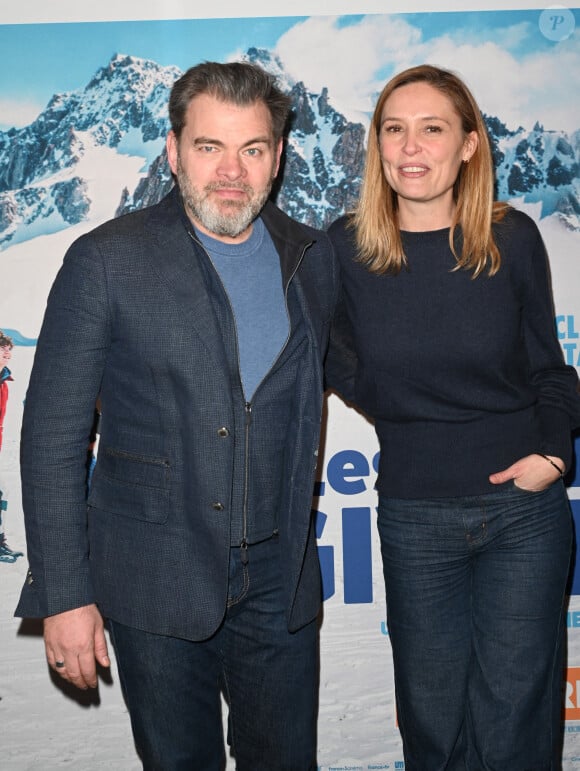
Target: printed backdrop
x: 82, y: 127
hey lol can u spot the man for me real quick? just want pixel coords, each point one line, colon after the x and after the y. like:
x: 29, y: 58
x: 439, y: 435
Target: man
x: 6, y: 553
x: 201, y: 324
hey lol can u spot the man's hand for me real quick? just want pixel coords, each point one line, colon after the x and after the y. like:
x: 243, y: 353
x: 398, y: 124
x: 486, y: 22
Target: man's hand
x: 74, y: 640
x: 533, y: 473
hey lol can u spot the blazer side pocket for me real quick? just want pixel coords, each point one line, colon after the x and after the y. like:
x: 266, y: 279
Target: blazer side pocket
x: 131, y: 485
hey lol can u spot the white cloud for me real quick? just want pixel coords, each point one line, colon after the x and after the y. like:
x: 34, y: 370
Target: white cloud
x: 355, y: 61
x: 346, y: 60
x: 520, y: 91
x: 14, y: 113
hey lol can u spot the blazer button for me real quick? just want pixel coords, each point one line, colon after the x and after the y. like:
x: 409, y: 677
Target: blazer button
x: 217, y: 506
x: 223, y: 432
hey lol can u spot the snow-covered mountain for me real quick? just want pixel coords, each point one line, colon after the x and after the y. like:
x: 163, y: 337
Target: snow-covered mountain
x: 107, y: 141
x: 46, y: 167
x: 323, y: 161
x: 539, y: 166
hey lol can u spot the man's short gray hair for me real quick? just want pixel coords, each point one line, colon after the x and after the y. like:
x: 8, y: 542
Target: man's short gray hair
x: 239, y: 83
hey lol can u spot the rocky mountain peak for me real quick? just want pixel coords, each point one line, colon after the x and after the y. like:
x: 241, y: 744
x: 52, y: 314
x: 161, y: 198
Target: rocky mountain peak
x: 45, y: 182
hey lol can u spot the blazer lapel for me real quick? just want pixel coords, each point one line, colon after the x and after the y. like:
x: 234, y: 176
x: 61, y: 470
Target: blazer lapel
x: 178, y: 266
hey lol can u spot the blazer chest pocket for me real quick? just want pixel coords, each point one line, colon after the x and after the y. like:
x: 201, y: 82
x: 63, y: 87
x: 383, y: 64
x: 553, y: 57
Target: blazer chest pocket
x: 131, y: 485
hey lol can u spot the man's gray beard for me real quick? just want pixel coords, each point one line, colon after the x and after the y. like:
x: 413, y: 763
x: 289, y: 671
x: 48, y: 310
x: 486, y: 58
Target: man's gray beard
x: 239, y: 215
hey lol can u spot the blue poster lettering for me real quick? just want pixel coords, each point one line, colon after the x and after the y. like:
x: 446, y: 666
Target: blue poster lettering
x: 347, y: 473
x: 357, y: 555
x: 344, y: 471
x: 568, y: 335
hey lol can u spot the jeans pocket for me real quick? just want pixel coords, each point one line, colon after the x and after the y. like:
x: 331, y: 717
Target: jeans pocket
x: 525, y: 491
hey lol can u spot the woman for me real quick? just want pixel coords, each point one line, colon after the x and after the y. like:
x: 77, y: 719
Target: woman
x: 448, y: 315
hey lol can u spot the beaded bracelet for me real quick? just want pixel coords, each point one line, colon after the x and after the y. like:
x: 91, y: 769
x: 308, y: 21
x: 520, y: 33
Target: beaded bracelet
x: 551, y: 462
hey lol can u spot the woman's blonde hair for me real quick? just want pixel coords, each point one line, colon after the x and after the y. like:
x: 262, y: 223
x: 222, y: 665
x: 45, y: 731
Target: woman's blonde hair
x: 375, y: 219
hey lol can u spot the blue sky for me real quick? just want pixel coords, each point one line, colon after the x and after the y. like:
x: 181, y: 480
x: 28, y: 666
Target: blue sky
x: 502, y: 54
x: 482, y: 25
x: 45, y: 58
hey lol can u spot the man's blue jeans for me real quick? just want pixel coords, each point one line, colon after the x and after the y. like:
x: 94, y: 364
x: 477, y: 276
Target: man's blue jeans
x: 269, y: 678
x: 475, y: 610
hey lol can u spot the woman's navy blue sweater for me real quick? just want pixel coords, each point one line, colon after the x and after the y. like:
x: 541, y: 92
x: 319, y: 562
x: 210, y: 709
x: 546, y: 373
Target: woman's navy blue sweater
x: 462, y: 376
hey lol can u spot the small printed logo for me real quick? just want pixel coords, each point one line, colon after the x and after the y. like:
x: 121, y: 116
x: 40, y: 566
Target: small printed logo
x: 572, y: 694
x: 557, y: 23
